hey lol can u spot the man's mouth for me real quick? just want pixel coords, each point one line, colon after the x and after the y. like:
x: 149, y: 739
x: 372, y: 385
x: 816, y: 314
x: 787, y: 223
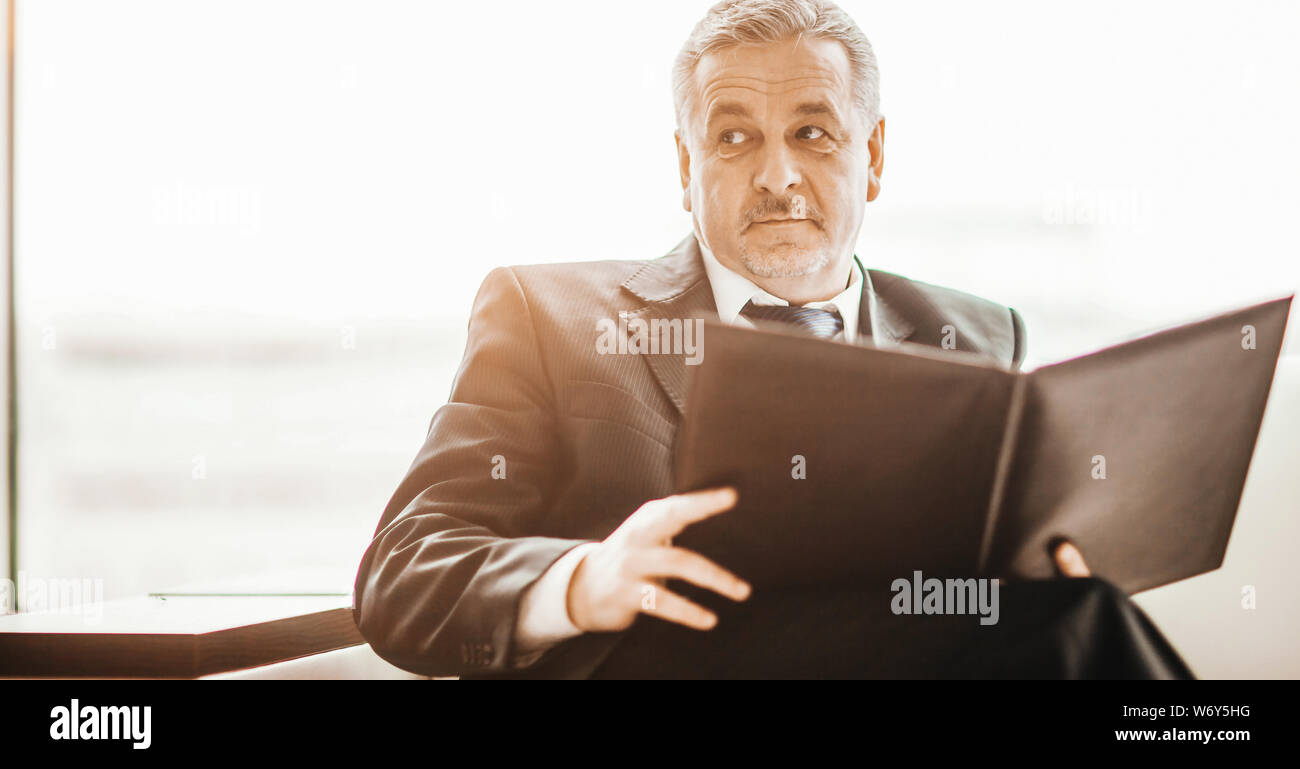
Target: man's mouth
x: 781, y: 222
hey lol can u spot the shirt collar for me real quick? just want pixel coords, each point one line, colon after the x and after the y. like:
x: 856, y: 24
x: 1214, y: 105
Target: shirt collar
x: 732, y: 291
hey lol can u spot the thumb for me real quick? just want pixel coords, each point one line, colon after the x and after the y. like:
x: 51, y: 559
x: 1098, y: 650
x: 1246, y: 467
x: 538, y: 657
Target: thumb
x: 1069, y: 561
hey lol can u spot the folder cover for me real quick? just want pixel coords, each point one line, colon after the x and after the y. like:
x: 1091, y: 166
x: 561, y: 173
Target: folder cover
x: 855, y: 463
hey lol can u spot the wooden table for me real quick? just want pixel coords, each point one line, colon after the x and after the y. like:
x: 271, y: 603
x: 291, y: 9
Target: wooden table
x: 175, y: 635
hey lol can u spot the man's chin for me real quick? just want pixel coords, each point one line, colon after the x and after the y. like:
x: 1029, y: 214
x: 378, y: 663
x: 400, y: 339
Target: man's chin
x: 783, y: 260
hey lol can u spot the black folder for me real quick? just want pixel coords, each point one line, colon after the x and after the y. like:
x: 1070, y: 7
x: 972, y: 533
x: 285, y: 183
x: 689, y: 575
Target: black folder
x: 858, y: 463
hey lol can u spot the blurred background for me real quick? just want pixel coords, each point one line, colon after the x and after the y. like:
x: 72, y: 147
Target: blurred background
x: 248, y: 234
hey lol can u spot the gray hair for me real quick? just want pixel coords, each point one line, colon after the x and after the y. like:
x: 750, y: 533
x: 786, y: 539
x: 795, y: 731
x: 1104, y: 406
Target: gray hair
x: 739, y: 22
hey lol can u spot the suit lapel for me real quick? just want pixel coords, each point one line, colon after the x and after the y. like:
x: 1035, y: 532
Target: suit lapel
x: 673, y: 286
x: 878, y: 318
x: 676, y: 286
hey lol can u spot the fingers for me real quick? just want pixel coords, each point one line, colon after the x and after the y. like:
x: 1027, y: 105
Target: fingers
x: 692, y: 567
x: 1070, y: 561
x: 664, y: 519
x: 664, y: 603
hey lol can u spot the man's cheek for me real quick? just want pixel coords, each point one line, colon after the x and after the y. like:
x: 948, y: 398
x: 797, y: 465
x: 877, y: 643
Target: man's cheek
x: 717, y: 204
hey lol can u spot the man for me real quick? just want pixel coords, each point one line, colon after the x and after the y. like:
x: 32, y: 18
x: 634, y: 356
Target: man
x: 538, y: 516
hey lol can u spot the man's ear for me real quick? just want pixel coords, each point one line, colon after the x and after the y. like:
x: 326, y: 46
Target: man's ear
x: 684, y: 169
x: 876, y: 144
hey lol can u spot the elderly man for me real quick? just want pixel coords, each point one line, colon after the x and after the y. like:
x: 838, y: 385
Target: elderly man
x: 539, y: 515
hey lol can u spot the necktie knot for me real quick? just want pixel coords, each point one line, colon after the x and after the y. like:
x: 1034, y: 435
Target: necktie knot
x: 811, y: 320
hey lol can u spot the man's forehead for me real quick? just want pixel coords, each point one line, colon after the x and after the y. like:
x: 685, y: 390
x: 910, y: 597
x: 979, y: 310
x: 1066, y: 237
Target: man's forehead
x: 804, y: 67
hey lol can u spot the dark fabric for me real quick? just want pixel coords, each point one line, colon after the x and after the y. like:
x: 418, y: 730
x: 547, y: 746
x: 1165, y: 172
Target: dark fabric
x: 810, y: 320
x: 546, y: 443
x: 1076, y: 628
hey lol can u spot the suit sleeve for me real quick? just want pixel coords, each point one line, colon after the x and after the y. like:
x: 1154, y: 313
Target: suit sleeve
x: 439, y: 586
x: 1021, y: 342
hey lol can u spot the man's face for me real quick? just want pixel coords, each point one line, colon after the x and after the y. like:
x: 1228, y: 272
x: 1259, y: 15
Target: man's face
x: 773, y: 126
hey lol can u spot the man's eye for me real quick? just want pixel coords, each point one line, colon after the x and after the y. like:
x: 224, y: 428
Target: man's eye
x: 811, y: 133
x: 733, y: 137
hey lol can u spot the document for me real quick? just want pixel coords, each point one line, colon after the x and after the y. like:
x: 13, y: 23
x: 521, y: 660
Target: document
x: 858, y: 463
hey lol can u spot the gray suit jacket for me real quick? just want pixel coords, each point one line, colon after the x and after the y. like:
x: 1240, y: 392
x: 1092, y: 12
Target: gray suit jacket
x: 584, y: 440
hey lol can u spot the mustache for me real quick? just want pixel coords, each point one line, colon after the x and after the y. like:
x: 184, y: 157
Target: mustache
x: 768, y: 208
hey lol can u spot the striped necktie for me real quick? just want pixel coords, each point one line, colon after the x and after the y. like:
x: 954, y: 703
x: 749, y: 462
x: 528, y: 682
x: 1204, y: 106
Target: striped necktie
x: 820, y: 323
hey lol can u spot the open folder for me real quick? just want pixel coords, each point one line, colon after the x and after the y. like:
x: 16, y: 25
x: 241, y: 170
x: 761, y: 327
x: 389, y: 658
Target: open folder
x: 856, y: 463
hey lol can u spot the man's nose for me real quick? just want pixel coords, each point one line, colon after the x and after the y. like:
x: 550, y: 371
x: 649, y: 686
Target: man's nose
x: 778, y: 172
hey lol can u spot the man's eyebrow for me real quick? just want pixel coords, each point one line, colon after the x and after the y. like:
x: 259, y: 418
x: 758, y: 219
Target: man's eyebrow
x: 724, y: 108
x: 816, y: 108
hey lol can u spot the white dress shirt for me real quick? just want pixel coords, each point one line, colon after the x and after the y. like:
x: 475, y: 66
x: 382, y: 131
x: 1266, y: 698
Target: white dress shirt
x: 543, y: 610
x: 732, y: 291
